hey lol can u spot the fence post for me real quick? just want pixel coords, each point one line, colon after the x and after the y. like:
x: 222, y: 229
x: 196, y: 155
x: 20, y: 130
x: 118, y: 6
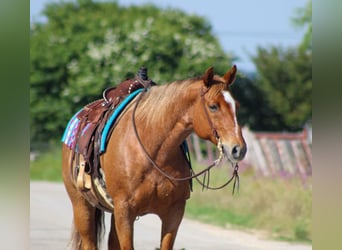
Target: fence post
x: 254, y: 156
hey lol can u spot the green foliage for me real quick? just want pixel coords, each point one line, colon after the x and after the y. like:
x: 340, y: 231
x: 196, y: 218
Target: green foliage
x: 87, y: 46
x: 285, y: 81
x: 47, y: 166
x: 303, y: 18
x: 254, y: 110
x: 279, y: 96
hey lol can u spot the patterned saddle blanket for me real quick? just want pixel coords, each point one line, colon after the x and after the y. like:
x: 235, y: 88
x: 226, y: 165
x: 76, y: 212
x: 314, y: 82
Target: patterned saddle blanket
x: 73, y: 132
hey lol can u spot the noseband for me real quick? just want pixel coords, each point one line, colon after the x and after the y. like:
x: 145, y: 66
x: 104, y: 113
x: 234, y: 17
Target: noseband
x: 206, y: 171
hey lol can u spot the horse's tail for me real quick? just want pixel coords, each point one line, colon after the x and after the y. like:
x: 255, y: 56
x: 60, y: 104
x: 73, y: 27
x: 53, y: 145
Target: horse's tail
x: 100, y: 226
x: 76, y: 242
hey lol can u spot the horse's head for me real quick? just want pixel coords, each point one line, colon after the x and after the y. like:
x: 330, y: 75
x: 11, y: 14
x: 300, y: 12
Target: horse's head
x: 215, y: 115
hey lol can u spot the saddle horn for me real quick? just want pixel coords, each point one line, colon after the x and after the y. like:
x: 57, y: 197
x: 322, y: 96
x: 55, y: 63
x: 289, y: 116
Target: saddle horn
x: 142, y: 73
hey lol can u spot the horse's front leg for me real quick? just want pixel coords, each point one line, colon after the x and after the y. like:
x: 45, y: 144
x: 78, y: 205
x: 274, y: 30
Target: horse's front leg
x: 113, y: 241
x: 170, y: 223
x: 124, y: 221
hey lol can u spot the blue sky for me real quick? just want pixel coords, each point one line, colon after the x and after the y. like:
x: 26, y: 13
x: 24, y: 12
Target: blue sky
x: 240, y: 25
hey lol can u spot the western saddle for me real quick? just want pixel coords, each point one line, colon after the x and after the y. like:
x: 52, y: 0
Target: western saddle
x: 84, y: 163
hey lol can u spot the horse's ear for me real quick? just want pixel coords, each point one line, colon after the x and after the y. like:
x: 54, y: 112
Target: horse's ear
x: 208, y: 76
x: 229, y: 77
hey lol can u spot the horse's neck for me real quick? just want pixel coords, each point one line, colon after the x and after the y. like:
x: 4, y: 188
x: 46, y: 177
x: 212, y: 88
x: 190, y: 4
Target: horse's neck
x: 168, y: 120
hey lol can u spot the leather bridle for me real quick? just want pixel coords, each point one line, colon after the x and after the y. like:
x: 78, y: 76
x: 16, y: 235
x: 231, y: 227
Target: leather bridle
x: 206, y: 171
x: 212, y: 127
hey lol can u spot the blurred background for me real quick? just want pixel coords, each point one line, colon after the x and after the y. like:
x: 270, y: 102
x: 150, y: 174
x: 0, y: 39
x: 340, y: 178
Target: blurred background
x: 78, y: 48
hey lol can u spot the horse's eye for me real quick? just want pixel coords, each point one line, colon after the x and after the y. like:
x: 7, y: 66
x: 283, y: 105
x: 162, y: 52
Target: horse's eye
x: 213, y: 107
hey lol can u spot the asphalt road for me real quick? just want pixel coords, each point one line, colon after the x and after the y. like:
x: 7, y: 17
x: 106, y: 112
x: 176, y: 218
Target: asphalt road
x: 51, y: 218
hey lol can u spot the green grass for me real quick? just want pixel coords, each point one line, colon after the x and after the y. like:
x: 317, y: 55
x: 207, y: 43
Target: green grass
x: 47, y: 166
x: 277, y: 206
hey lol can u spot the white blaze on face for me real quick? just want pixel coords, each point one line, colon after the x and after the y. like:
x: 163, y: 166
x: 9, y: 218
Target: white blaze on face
x: 229, y: 99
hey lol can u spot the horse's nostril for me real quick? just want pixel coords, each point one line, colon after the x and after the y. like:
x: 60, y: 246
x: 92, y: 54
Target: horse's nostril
x: 236, y: 151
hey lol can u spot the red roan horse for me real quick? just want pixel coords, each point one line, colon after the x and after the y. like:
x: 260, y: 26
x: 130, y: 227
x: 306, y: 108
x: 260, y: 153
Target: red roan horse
x: 165, y: 116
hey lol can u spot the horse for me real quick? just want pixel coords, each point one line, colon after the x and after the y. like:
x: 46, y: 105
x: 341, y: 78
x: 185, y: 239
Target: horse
x: 164, y: 117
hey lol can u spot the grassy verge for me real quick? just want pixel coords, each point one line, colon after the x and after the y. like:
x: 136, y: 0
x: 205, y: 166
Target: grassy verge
x: 278, y: 206
x: 48, y: 165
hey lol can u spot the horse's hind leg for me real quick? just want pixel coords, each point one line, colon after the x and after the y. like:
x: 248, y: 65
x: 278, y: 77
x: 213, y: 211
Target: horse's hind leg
x: 88, y: 221
x: 85, y: 223
x: 170, y: 223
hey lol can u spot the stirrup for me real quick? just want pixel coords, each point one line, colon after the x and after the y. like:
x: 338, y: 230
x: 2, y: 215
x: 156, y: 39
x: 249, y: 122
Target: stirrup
x: 83, y: 178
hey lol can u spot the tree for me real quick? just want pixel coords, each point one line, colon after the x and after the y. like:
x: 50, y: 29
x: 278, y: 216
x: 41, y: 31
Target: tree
x: 303, y: 19
x: 285, y: 80
x: 86, y: 46
x: 254, y: 110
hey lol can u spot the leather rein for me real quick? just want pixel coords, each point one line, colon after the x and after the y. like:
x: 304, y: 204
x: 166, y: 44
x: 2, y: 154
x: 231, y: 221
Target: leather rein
x: 205, y: 172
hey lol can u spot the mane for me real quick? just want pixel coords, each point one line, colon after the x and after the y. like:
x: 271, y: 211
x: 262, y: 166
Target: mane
x: 165, y: 99
x: 169, y: 99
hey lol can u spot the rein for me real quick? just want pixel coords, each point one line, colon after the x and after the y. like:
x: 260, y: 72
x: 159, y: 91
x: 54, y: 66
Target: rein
x: 192, y: 174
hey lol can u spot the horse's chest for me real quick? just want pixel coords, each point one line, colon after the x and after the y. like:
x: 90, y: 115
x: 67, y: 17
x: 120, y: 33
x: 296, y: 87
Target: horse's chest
x: 167, y: 191
x: 163, y: 194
